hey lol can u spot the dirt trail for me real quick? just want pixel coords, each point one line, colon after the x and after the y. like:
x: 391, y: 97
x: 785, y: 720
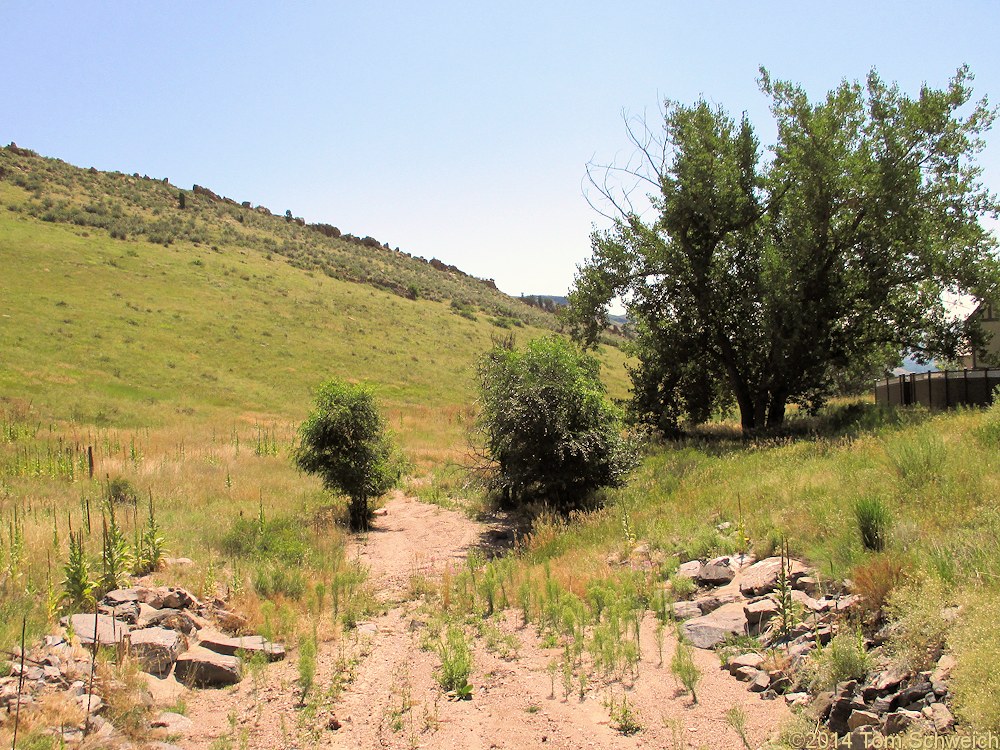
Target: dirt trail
x: 394, y: 701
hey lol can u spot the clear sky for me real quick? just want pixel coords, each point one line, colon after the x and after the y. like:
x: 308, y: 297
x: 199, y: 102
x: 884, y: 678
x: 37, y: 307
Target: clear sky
x: 456, y: 130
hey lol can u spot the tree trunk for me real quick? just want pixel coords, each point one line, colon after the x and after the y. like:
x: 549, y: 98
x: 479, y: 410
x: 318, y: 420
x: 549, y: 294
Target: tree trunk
x: 776, y: 409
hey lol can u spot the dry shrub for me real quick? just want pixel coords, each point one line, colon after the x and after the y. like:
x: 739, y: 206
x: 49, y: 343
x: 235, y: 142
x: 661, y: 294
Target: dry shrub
x: 874, y: 581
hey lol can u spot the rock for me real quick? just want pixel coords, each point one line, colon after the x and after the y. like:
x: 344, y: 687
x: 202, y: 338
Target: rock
x: 844, y: 704
x: 177, y: 562
x: 900, y: 721
x: 912, y: 693
x: 859, y: 718
x: 712, y: 629
x: 760, y: 683
x: 157, y: 648
x: 711, y: 603
x: 797, y: 699
x: 690, y: 569
x: 164, y: 691
x: 229, y: 621
x: 863, y: 738
x: 762, y: 577
x: 939, y: 715
x: 808, y: 584
x: 204, y: 668
x: 744, y: 660
x: 150, y: 597
x: 715, y: 573
x: 174, y: 724
x: 127, y: 612
x: 171, y: 618
x: 945, y: 666
x: 759, y: 613
x: 108, y: 631
x: 807, y: 602
x: 251, y: 644
x: 380, y: 512
x: 178, y: 599
x: 685, y: 610
x: 91, y: 701
x: 120, y: 596
x: 745, y: 674
x: 883, y: 683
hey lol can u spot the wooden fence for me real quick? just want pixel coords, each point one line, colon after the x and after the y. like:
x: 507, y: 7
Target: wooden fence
x: 939, y: 390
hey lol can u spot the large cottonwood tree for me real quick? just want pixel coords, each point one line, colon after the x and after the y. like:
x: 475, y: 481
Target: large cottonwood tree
x: 764, y: 276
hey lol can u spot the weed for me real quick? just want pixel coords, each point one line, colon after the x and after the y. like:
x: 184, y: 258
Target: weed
x: 77, y: 585
x: 844, y: 658
x: 306, y: 665
x: 624, y: 718
x: 683, y: 667
x: 736, y: 717
x: 682, y: 586
x: 456, y: 663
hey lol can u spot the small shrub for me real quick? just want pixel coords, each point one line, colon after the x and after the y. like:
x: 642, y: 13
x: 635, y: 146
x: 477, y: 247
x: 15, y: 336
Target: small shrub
x: 873, y: 519
x: 624, y: 719
x: 682, y: 666
x: 844, y: 658
x: 682, y: 586
x: 306, y: 665
x: 120, y: 491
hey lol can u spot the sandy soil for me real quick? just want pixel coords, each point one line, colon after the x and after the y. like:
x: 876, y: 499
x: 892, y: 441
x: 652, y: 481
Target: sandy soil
x: 393, y: 700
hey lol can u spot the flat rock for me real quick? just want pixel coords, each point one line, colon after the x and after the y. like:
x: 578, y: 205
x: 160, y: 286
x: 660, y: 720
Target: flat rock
x: 710, y: 630
x: 745, y: 674
x: 250, y: 644
x: 204, y: 668
x: 99, y: 629
x: 712, y: 602
x: 761, y: 682
x: 120, y: 596
x: 175, y: 598
x: 171, y: 618
x: 157, y: 648
x: 762, y: 577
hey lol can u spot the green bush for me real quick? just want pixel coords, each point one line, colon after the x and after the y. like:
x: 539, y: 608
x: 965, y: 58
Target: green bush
x: 546, y: 427
x: 281, y: 539
x: 345, y: 441
x: 844, y: 658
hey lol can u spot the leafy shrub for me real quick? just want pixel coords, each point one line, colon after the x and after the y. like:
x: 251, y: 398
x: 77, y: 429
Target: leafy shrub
x: 546, y: 427
x: 345, y: 441
x: 873, y: 520
x: 456, y: 663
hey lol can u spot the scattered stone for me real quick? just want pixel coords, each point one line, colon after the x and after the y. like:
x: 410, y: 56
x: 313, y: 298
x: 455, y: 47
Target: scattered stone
x: 367, y: 627
x: 939, y: 715
x: 178, y: 599
x: 900, y: 721
x: 744, y: 660
x: 121, y: 596
x: 759, y: 613
x: 945, y: 666
x: 685, y: 610
x: 171, y: 618
x: 380, y: 512
x: 157, y: 648
x: 711, y: 603
x: 808, y: 584
x: 251, y: 644
x: 204, y: 668
x: 859, y: 718
x: 689, y: 569
x: 796, y: 699
x: 715, y: 573
x: 173, y: 723
x: 761, y: 682
x: 745, y: 674
x: 177, y: 562
x: 710, y: 630
x: 762, y: 577
x: 100, y: 629
x: 90, y: 700
x: 165, y: 691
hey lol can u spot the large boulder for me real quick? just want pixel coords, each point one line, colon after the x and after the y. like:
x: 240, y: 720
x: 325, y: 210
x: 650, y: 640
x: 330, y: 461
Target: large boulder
x: 715, y: 573
x: 712, y: 629
x: 157, y: 648
x: 203, y: 668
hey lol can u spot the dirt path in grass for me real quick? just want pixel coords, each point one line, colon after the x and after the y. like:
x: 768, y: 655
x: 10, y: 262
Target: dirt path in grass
x: 379, y: 689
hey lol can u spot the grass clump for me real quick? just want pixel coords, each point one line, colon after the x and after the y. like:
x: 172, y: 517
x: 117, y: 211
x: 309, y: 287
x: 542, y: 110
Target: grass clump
x: 919, y: 619
x: 873, y: 519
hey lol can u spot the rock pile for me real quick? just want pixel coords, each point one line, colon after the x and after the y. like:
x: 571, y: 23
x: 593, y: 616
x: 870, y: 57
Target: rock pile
x: 172, y: 635
x: 738, y: 596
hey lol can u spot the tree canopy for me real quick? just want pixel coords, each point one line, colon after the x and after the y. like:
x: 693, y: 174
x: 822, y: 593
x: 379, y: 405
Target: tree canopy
x: 547, y: 428
x: 344, y: 440
x: 766, y: 277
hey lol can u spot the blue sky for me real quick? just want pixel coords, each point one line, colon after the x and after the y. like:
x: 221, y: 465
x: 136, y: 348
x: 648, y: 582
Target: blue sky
x: 457, y: 130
